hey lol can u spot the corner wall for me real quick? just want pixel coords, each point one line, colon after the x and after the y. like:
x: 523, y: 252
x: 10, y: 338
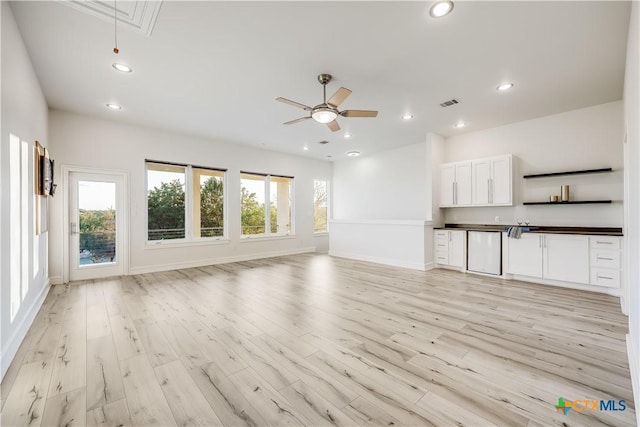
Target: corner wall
x: 632, y: 197
x: 24, y: 114
x: 88, y: 142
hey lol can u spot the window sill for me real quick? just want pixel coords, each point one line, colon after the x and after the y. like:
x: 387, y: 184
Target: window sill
x: 255, y: 238
x: 166, y: 244
x: 321, y: 234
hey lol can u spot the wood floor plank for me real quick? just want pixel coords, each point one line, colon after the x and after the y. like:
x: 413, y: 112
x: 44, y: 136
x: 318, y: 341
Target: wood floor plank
x: 115, y: 414
x: 104, y: 381
x: 314, y: 407
x: 267, y: 401
x: 27, y: 398
x: 230, y: 405
x: 66, y: 409
x: 185, y: 399
x: 155, y: 344
x: 145, y: 400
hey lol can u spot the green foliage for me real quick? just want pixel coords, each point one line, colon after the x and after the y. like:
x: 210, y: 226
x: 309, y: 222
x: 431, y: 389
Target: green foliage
x: 97, y: 234
x: 166, y: 211
x: 252, y: 213
x: 212, y: 207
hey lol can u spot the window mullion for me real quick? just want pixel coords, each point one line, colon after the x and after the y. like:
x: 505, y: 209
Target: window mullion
x: 188, y: 203
x: 267, y: 205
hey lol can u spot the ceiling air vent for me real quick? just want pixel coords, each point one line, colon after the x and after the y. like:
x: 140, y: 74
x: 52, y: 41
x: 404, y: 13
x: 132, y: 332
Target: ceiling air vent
x: 323, y: 142
x: 449, y: 103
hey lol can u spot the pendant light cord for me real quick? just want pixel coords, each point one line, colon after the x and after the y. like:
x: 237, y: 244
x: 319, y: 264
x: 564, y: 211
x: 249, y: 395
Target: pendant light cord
x: 115, y: 25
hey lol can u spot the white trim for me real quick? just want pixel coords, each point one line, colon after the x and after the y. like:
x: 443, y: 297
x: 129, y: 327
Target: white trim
x: 263, y: 237
x: 634, y: 367
x: 9, y: 351
x: 65, y: 171
x: 583, y: 287
x: 56, y: 280
x: 218, y: 260
x: 181, y: 243
x: 418, y: 222
x: 385, y: 261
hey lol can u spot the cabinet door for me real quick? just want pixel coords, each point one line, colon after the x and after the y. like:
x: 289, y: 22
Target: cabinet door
x: 566, y: 257
x: 463, y: 184
x: 447, y: 182
x: 457, y: 248
x: 501, y: 179
x: 524, y: 255
x: 481, y: 177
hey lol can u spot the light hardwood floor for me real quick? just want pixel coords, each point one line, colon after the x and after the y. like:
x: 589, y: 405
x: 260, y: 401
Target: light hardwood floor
x: 315, y: 340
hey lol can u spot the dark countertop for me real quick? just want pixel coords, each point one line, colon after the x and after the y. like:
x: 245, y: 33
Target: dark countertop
x: 596, y: 231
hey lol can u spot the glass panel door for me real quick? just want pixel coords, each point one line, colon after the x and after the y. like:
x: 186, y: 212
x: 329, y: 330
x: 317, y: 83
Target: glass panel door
x: 95, y: 222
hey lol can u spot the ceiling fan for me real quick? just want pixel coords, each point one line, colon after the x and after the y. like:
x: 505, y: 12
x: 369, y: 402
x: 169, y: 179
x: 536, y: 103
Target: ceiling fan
x: 327, y: 112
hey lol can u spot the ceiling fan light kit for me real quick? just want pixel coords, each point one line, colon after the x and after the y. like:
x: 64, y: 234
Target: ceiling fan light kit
x: 327, y: 112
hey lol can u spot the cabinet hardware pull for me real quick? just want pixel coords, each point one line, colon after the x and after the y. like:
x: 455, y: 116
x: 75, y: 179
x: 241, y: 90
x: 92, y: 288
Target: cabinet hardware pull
x: 604, y: 243
x: 540, y: 242
x: 488, y: 191
x: 604, y: 277
x: 608, y: 259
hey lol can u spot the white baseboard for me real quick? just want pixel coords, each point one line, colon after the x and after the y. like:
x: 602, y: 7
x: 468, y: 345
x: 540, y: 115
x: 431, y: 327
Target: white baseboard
x: 634, y: 367
x: 10, y: 350
x: 385, y: 261
x: 56, y: 280
x: 600, y: 289
x: 223, y: 260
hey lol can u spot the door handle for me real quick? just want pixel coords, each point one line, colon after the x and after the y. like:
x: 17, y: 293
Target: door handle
x: 74, y: 228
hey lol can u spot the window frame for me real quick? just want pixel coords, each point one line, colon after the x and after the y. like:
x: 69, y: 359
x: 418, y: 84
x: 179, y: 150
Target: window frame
x: 188, y: 239
x: 328, y: 207
x: 267, y: 211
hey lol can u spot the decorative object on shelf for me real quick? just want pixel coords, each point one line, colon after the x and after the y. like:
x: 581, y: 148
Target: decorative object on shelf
x: 564, y: 193
x: 577, y: 172
x: 553, y: 199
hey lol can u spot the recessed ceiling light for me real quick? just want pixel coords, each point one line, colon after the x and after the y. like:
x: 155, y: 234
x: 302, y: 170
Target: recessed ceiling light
x: 114, y: 106
x: 353, y: 153
x: 305, y: 148
x: 505, y: 86
x: 460, y: 124
x: 407, y: 116
x: 441, y: 8
x: 347, y: 135
x: 121, y: 67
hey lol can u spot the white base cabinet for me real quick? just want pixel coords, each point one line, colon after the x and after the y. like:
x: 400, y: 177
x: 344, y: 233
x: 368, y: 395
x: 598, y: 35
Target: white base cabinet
x: 580, y: 259
x: 450, y: 248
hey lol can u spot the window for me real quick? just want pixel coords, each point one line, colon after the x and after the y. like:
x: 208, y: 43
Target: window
x: 258, y: 191
x: 184, y: 202
x: 320, y: 211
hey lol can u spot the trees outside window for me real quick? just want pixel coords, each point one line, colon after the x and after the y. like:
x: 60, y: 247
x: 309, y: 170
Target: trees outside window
x: 258, y: 191
x: 184, y: 202
x: 320, y: 206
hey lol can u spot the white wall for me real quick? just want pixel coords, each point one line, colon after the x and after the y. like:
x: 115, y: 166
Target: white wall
x: 83, y: 141
x: 385, y: 185
x: 435, y: 156
x: 632, y: 193
x: 587, y: 138
x: 24, y: 114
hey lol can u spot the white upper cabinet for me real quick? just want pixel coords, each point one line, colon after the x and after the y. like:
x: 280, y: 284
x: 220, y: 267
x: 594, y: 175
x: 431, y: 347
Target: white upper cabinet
x: 455, y: 184
x: 480, y: 182
x: 492, y: 181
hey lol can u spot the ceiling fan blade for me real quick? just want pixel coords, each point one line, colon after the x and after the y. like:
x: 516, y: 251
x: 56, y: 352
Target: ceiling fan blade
x: 359, y: 113
x: 293, y: 103
x: 334, y: 126
x: 301, y: 119
x: 339, y: 97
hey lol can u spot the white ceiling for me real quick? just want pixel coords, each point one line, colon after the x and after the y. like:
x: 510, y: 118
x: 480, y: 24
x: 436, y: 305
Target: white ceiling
x: 214, y: 69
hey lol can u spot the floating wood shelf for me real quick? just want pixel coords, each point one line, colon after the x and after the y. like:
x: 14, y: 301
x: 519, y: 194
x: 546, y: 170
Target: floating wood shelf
x: 579, y: 172
x: 573, y: 202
